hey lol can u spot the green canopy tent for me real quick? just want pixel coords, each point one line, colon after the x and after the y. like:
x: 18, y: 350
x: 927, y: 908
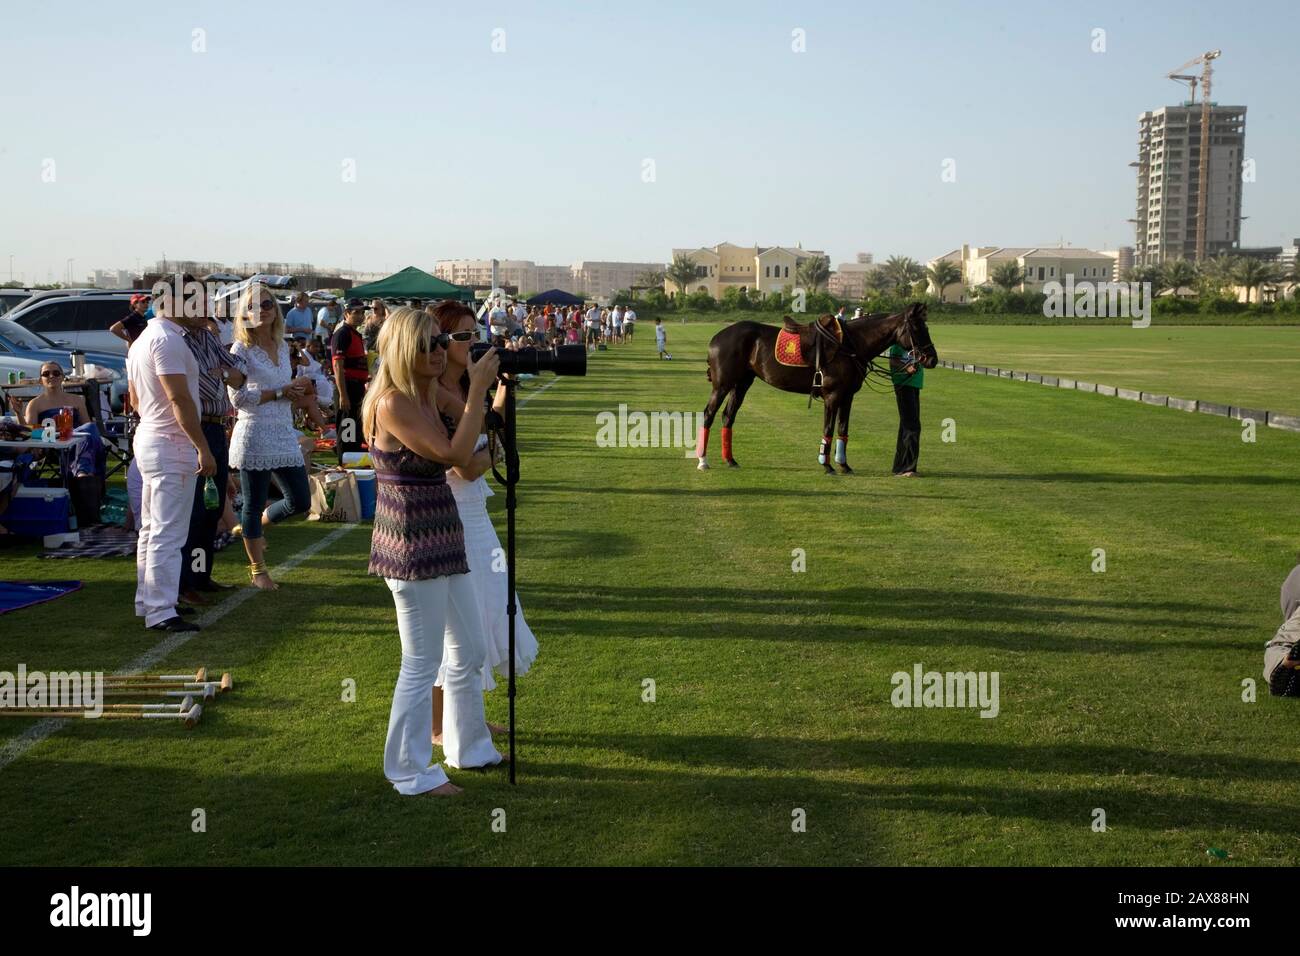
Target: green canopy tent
x: 412, y: 283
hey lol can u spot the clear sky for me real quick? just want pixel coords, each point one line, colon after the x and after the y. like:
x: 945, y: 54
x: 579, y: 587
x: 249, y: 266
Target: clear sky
x: 538, y: 152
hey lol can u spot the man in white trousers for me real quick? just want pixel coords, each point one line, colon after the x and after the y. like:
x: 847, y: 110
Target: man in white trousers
x: 169, y: 449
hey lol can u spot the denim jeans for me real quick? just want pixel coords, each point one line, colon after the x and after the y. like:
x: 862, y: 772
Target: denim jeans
x: 256, y: 486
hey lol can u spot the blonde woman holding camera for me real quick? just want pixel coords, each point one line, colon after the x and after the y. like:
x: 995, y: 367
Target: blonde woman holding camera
x: 418, y: 548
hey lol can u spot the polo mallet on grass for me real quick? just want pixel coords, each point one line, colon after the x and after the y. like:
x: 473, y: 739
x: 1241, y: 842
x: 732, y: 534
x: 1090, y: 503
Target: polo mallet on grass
x: 225, y: 685
x: 198, y: 677
x: 208, y: 692
x: 183, y: 705
x: 190, y: 717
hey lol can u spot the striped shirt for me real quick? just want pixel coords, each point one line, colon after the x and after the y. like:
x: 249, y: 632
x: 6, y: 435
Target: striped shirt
x: 212, y: 356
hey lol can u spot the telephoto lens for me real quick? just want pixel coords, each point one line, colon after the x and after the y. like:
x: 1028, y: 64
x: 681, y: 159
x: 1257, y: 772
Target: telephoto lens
x: 562, y: 360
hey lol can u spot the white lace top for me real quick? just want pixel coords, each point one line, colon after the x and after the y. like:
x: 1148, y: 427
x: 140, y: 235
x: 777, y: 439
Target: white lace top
x: 264, y: 436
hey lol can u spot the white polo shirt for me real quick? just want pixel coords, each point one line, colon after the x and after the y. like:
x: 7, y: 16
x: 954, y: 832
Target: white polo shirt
x: 160, y: 350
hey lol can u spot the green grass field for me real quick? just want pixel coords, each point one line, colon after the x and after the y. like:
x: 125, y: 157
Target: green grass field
x: 1254, y: 368
x: 1119, y: 690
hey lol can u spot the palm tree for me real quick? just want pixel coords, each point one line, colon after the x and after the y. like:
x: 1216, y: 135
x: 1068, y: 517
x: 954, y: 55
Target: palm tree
x: 1253, y: 273
x: 903, y: 271
x: 1293, y: 277
x: 1153, y: 275
x: 651, y: 278
x: 681, y: 272
x: 1217, y: 273
x: 943, y: 274
x: 878, y: 280
x: 813, y: 272
x: 1007, y: 276
x: 1178, y: 274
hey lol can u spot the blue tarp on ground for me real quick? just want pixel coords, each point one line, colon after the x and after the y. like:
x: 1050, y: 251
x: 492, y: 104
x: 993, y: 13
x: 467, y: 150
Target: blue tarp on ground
x: 15, y: 595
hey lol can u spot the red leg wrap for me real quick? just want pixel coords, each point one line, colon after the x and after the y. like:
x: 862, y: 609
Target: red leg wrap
x: 702, y: 442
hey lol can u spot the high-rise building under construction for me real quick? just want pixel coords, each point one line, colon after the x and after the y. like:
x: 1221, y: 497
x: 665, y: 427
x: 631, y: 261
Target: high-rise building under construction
x: 1169, y: 159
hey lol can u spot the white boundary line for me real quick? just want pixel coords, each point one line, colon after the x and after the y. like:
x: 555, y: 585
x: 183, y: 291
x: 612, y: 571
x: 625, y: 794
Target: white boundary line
x: 531, y: 395
x: 25, y: 741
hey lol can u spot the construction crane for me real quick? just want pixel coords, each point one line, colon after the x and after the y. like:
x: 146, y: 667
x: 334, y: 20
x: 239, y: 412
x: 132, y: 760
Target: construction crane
x: 1203, y: 179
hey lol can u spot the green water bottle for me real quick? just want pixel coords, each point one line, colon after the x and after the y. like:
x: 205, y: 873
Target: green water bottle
x: 211, y: 497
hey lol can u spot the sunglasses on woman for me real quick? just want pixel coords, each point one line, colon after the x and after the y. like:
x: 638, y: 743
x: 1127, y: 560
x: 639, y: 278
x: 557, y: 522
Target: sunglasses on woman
x: 266, y: 304
x: 54, y: 374
x: 443, y: 339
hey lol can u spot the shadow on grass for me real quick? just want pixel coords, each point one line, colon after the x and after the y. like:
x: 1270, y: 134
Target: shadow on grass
x: 814, y: 475
x: 1118, y: 478
x: 711, y: 799
x: 878, y: 616
x: 767, y: 754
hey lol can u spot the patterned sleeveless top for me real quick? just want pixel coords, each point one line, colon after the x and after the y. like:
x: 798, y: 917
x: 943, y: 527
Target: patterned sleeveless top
x: 417, y: 530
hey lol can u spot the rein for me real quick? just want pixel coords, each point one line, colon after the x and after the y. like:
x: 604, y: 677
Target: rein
x: 877, y: 374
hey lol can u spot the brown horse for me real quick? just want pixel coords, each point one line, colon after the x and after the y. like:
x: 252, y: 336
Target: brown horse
x: 746, y: 350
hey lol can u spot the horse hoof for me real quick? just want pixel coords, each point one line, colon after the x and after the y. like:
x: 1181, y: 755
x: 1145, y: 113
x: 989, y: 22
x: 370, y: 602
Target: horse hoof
x: 732, y: 463
x: 703, y: 465
x: 845, y: 470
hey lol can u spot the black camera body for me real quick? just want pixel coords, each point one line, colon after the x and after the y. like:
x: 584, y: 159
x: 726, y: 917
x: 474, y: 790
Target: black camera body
x: 562, y: 360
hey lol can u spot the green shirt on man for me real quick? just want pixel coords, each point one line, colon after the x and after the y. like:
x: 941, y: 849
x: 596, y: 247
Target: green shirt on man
x: 899, y: 376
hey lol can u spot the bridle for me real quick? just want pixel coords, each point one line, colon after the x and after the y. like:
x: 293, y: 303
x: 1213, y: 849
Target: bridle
x: 878, y: 376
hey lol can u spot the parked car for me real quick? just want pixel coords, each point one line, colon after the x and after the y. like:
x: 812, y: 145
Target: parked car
x: 20, y: 346
x: 76, y: 319
x: 12, y: 297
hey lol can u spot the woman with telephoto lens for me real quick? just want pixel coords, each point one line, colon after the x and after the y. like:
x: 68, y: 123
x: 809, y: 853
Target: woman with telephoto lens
x: 482, y: 546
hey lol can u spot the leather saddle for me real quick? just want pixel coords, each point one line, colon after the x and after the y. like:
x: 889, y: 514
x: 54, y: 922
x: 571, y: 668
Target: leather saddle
x: 814, y: 343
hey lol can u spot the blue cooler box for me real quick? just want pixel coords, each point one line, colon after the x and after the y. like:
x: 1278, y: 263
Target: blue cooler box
x: 36, y: 512
x: 366, y: 491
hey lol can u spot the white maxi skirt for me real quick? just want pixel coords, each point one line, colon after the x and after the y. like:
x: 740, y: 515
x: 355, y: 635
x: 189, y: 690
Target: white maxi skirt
x: 484, y: 551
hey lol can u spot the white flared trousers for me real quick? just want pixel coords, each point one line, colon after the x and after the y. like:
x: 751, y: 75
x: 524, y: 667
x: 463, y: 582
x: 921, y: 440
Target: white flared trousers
x: 423, y: 611
x: 167, y: 478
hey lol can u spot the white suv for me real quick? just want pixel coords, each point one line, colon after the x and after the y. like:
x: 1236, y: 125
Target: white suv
x: 79, y: 321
